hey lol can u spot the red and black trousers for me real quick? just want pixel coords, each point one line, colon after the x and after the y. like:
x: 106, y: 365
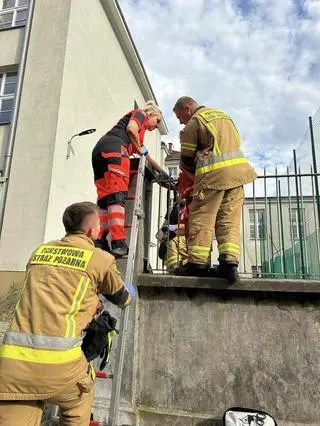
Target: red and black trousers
x: 111, y: 167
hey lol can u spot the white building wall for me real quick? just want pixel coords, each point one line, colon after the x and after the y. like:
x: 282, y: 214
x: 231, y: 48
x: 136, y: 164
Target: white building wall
x: 98, y: 88
x: 77, y: 77
x: 30, y: 179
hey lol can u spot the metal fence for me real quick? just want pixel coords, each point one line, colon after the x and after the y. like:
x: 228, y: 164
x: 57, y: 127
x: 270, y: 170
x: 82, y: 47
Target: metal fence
x: 280, y: 236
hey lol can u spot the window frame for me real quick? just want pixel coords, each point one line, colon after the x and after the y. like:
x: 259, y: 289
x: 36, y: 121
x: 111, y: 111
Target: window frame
x: 294, y: 223
x: 14, y: 23
x: 8, y: 97
x: 176, y: 171
x: 259, y: 233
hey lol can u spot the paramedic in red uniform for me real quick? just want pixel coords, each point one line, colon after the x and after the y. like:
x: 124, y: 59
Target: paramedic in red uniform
x: 111, y: 166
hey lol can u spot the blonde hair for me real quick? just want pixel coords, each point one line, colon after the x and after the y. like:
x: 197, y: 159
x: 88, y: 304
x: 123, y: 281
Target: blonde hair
x: 151, y: 109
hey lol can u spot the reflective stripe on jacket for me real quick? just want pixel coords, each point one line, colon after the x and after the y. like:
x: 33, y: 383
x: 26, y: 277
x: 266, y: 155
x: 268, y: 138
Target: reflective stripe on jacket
x: 221, y: 165
x: 41, y: 350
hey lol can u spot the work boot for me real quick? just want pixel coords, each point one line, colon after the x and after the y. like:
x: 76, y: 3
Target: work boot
x: 119, y: 248
x: 103, y: 243
x: 228, y: 271
x: 192, y: 270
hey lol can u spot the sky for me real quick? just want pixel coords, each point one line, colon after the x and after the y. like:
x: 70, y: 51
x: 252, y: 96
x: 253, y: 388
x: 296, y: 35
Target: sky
x: 258, y: 60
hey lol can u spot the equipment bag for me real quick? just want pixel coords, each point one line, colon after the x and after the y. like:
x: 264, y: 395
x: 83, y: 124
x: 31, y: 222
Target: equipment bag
x: 237, y: 416
x: 98, y: 338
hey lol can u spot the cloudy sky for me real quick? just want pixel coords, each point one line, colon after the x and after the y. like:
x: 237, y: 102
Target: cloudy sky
x: 259, y: 60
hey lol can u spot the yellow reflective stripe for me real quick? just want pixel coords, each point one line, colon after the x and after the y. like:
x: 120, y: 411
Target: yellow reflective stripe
x: 220, y: 165
x: 213, y: 131
x: 110, y: 335
x: 41, y: 356
x: 75, y: 306
x: 234, y: 245
x: 228, y: 248
x: 127, y: 302
x: 172, y: 260
x: 188, y: 147
x: 200, y: 249
x: 93, y: 371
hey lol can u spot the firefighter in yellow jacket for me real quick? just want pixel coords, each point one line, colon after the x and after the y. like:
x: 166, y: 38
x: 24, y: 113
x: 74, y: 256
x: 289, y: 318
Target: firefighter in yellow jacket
x: 41, y: 358
x: 210, y: 150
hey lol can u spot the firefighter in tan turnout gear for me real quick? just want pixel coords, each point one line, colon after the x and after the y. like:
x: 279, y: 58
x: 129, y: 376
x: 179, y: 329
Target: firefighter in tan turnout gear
x: 41, y: 358
x: 210, y: 150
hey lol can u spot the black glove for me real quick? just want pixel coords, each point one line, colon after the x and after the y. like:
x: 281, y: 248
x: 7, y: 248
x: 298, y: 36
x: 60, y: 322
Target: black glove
x: 163, y: 175
x: 98, y: 338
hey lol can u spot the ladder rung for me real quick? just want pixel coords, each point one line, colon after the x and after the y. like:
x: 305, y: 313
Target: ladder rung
x: 130, y: 197
x: 133, y: 172
x: 127, y: 225
x: 104, y: 375
x: 121, y: 257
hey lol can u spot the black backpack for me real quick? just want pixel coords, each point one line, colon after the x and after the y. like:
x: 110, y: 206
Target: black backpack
x: 237, y: 416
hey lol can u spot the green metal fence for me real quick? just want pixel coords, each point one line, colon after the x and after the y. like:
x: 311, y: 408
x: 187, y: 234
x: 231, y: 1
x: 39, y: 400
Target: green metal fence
x: 287, y: 239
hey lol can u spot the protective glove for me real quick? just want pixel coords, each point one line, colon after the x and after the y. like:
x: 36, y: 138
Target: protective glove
x: 144, y: 150
x: 132, y: 291
x: 163, y: 175
x: 172, y: 228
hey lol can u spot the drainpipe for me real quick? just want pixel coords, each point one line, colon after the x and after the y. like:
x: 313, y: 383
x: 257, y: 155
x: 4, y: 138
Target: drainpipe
x: 14, y: 122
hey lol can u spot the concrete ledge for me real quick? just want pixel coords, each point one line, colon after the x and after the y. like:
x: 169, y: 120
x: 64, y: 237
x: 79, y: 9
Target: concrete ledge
x: 246, y: 284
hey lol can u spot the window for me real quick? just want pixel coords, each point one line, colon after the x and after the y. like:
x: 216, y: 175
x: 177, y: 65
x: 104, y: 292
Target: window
x: 173, y: 172
x: 8, y: 83
x: 294, y: 223
x: 13, y: 13
x: 257, y: 224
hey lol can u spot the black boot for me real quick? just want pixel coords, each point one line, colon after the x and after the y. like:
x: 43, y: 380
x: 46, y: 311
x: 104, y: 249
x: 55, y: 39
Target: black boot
x: 103, y: 243
x: 192, y: 270
x: 119, y: 248
x: 228, y: 271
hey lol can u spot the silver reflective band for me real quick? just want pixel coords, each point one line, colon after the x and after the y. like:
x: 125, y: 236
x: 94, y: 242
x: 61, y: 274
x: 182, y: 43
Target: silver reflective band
x: 217, y: 158
x: 41, y: 342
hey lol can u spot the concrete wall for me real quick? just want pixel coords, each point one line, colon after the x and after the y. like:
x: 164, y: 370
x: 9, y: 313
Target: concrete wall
x: 98, y: 88
x: 201, y: 347
x: 196, y: 346
x: 26, y: 207
x: 202, y: 350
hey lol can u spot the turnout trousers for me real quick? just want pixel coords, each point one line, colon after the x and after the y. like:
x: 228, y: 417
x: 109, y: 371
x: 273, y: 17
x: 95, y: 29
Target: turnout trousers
x: 111, y: 166
x: 177, y: 252
x: 219, y: 212
x: 75, y: 406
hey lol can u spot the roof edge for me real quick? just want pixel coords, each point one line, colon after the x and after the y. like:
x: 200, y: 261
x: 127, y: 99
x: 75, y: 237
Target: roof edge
x: 122, y: 32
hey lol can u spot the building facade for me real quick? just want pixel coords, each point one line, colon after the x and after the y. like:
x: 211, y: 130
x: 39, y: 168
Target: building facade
x: 79, y: 72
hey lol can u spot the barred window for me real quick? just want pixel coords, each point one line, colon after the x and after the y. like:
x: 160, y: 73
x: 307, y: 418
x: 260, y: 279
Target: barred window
x: 13, y: 13
x: 8, y: 83
x: 257, y: 223
x: 294, y: 223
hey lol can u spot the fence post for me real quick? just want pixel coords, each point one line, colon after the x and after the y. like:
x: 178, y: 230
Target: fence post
x: 298, y: 211
x: 282, y: 233
x: 315, y: 170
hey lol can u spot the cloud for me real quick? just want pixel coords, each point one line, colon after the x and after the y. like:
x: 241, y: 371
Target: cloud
x: 258, y: 60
